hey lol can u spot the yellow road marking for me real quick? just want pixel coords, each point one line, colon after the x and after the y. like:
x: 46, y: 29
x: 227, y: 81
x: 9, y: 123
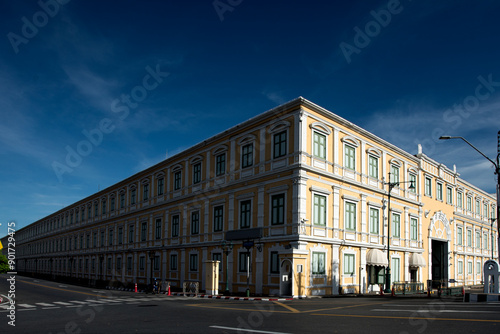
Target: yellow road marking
x: 50, y: 287
x: 235, y: 308
x: 406, y: 318
x: 287, y: 307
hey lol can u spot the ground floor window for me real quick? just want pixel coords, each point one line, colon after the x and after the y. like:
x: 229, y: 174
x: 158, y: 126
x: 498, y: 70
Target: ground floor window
x: 395, y: 270
x: 376, y: 274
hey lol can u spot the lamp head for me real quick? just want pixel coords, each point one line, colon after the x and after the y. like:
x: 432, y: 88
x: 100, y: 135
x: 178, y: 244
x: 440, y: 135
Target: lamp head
x: 445, y: 137
x: 412, y: 186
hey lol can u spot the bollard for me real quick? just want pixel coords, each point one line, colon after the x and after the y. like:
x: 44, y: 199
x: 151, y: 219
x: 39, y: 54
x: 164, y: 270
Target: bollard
x: 393, y: 292
x: 168, y: 290
x: 135, y: 287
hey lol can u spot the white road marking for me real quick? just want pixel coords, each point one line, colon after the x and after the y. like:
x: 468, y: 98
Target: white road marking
x: 26, y: 305
x: 246, y: 330
x: 45, y: 304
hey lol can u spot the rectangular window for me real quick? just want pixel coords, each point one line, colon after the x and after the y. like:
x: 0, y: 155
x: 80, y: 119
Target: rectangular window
x: 319, y: 145
x: 242, y: 263
x: 218, y: 257
x: 102, y: 244
x: 110, y: 237
x: 245, y: 213
x: 395, y: 270
x: 129, y: 263
x: 122, y: 201
x: 469, y: 238
x: 460, y: 236
x: 460, y: 267
x: 459, y: 200
x: 396, y: 225
x: 177, y: 180
x: 158, y: 229
x: 160, y: 185
x: 318, y: 263
x: 145, y: 192
x: 279, y: 144
x: 275, y: 263
x: 428, y: 186
x: 120, y: 235
x: 103, y: 207
x: 439, y: 191
x: 413, y: 182
x: 220, y: 164
x: 96, y: 209
x: 469, y: 268
x: 485, y: 210
x: 144, y: 231
x: 478, y: 206
x: 350, y: 216
x: 89, y: 212
x: 374, y: 221
x: 195, y: 222
x: 131, y: 233
x: 132, y: 196
x: 413, y: 228
x: 477, y: 244
x: 197, y: 173
x: 485, y: 241
x: 478, y: 268
x: 112, y: 204
x: 218, y: 218
x: 278, y: 209
x: 193, y: 262
x: 449, y: 195
x: 156, y: 263
x: 109, y: 263
x: 119, y: 263
x: 349, y: 264
x: 349, y: 157
x: 394, y: 174
x: 469, y: 203
x: 373, y: 166
x: 247, y: 156
x: 142, y: 263
x: 319, y: 211
x: 173, y: 261
x: 175, y: 226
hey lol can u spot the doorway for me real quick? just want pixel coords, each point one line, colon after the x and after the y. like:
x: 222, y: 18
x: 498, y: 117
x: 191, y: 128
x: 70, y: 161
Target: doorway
x: 439, y: 263
x: 286, y: 278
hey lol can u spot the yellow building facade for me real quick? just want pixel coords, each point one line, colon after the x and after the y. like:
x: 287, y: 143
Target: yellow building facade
x: 313, y: 184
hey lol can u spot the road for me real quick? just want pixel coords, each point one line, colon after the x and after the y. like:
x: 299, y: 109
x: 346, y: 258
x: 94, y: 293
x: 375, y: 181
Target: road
x: 50, y: 307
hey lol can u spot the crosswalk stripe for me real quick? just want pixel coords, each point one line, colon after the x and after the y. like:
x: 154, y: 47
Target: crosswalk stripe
x: 45, y: 304
x: 26, y: 305
x: 62, y: 303
x: 79, y: 302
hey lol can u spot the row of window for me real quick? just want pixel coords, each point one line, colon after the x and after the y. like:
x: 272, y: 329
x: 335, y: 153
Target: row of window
x: 468, y: 239
x: 460, y: 267
x: 350, y: 218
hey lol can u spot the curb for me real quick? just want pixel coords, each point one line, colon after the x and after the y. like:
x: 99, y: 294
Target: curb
x: 233, y: 298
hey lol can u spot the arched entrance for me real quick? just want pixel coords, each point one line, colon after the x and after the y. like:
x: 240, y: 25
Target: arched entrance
x: 286, y: 278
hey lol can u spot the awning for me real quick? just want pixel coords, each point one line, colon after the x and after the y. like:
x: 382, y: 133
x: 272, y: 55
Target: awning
x: 376, y: 257
x: 417, y: 260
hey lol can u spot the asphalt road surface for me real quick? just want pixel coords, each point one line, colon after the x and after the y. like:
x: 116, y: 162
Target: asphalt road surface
x: 51, y: 307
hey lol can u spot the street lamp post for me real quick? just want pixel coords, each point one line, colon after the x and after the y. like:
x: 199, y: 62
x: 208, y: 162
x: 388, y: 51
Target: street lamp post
x: 388, y: 269
x: 497, y: 172
x: 227, y: 248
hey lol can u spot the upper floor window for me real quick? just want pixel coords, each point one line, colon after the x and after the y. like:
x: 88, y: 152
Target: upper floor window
x: 478, y: 207
x: 373, y: 166
x: 349, y: 157
x: 319, y: 145
x: 132, y: 196
x: 413, y: 182
x: 469, y: 237
x: 278, y: 209
x: 459, y: 199
x: 469, y: 203
x: 478, y: 240
x: 96, y: 209
x: 144, y: 231
x: 428, y: 186
x: 160, y: 185
x: 319, y: 211
x: 413, y: 228
x: 245, y: 213
x: 485, y: 210
x: 449, y: 195
x: 374, y: 221
x: 460, y: 236
x: 218, y: 218
x: 145, y: 189
x: 220, y: 164
x: 175, y: 226
x: 112, y: 204
x: 131, y: 233
x: 177, y: 180
x: 279, y: 147
x: 195, y: 222
x: 350, y: 216
x: 158, y: 228
x: 439, y: 191
x: 197, y: 173
x: 396, y: 225
x: 103, y: 206
x: 247, y: 155
x: 394, y: 174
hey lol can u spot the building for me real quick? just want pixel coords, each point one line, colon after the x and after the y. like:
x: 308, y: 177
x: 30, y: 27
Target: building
x: 312, y: 183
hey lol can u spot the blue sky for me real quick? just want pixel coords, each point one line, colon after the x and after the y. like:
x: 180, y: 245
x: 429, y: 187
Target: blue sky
x: 407, y: 71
